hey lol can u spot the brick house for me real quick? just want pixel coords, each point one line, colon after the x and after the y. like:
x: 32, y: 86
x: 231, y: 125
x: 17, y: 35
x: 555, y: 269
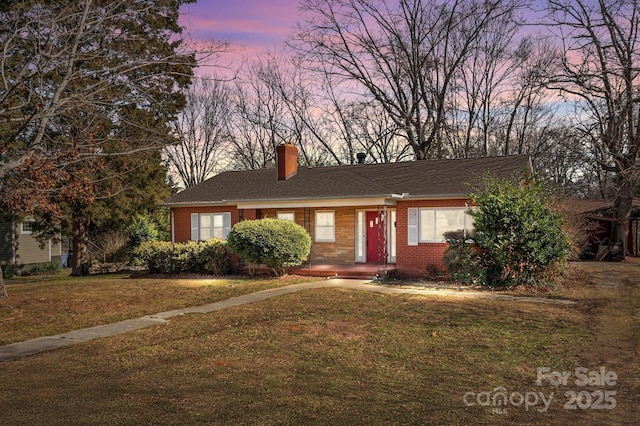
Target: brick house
x: 391, y: 216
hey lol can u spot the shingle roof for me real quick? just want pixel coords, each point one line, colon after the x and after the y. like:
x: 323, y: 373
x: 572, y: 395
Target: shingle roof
x: 424, y: 179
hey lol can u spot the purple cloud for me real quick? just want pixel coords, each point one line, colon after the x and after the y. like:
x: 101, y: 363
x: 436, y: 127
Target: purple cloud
x: 250, y: 24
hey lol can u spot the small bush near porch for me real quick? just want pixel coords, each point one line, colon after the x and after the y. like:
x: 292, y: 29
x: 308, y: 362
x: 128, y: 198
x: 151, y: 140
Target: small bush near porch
x: 276, y: 243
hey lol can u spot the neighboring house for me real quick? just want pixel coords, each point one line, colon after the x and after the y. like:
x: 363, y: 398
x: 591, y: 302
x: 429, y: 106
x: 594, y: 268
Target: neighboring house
x: 18, y: 245
x: 392, y: 214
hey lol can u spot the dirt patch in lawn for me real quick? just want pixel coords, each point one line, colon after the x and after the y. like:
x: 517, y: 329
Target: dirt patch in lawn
x: 341, y: 330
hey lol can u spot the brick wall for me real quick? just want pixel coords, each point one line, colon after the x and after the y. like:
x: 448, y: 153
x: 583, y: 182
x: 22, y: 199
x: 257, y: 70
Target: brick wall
x: 248, y: 214
x: 340, y: 252
x: 413, y: 260
x: 410, y: 260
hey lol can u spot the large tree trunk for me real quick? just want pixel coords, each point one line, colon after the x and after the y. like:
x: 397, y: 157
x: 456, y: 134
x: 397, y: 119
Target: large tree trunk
x: 622, y: 206
x: 3, y: 291
x: 81, y: 261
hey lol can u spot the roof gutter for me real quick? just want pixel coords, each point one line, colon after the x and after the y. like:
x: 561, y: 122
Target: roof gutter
x: 407, y: 196
x: 317, y: 202
x: 342, y: 201
x: 196, y: 203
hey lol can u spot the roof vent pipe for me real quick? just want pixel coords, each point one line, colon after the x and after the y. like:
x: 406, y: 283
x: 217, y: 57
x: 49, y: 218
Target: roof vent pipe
x: 361, y: 156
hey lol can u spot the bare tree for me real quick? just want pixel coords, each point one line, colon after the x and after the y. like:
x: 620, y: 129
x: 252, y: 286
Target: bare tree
x: 565, y: 160
x: 3, y: 290
x: 601, y: 73
x: 307, y: 111
x: 259, y: 115
x: 528, y: 103
x: 376, y: 135
x: 483, y: 82
x: 327, y: 123
x: 276, y: 103
x: 203, y: 131
x: 405, y: 57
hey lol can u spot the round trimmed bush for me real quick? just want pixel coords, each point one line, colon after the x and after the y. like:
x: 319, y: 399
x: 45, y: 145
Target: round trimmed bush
x: 276, y: 243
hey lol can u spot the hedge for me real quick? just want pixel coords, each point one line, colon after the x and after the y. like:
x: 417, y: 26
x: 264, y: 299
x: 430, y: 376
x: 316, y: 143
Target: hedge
x: 203, y: 257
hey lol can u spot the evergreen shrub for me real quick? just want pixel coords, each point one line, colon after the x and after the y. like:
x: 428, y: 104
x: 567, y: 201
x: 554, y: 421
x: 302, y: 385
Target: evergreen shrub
x: 520, y: 240
x: 203, y: 257
x: 275, y: 243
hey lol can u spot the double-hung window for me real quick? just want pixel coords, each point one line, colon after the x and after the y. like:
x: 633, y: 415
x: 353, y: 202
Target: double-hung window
x: 205, y: 226
x: 325, y: 229
x: 429, y: 225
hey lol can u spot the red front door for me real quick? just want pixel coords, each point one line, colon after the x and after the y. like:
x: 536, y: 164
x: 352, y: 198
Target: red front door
x: 374, y: 253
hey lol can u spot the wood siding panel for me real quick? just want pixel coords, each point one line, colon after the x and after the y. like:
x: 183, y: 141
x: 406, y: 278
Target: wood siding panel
x: 28, y: 250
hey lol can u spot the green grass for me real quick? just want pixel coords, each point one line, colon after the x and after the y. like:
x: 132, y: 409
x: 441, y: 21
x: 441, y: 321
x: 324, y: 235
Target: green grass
x: 332, y: 356
x: 48, y: 305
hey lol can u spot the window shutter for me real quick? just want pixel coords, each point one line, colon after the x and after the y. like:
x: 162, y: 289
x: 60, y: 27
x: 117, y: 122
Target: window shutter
x: 195, y: 227
x: 226, y: 224
x: 412, y: 231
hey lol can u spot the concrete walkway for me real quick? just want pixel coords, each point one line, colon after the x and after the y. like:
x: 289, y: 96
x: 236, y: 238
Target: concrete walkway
x: 42, y: 344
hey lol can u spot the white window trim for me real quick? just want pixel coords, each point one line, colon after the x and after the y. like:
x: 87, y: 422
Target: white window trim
x: 435, y: 209
x: 333, y: 226
x: 392, y: 237
x: 413, y: 226
x: 196, y: 222
x: 360, y: 238
x: 282, y: 213
x: 22, y: 230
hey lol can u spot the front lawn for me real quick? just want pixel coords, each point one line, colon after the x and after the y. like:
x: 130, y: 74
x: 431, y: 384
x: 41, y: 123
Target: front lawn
x: 336, y: 356
x: 47, y: 305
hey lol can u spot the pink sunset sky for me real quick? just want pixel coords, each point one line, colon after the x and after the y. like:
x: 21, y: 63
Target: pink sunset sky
x: 252, y: 25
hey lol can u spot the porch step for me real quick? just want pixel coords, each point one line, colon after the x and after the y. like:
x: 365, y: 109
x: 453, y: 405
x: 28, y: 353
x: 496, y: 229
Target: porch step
x: 339, y: 271
x: 365, y: 271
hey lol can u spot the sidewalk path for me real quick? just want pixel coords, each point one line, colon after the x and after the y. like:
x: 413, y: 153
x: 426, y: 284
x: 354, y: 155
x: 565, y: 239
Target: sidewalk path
x: 42, y: 344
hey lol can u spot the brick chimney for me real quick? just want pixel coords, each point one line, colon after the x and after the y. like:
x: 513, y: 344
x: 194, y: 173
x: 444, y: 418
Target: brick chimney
x: 287, y: 161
